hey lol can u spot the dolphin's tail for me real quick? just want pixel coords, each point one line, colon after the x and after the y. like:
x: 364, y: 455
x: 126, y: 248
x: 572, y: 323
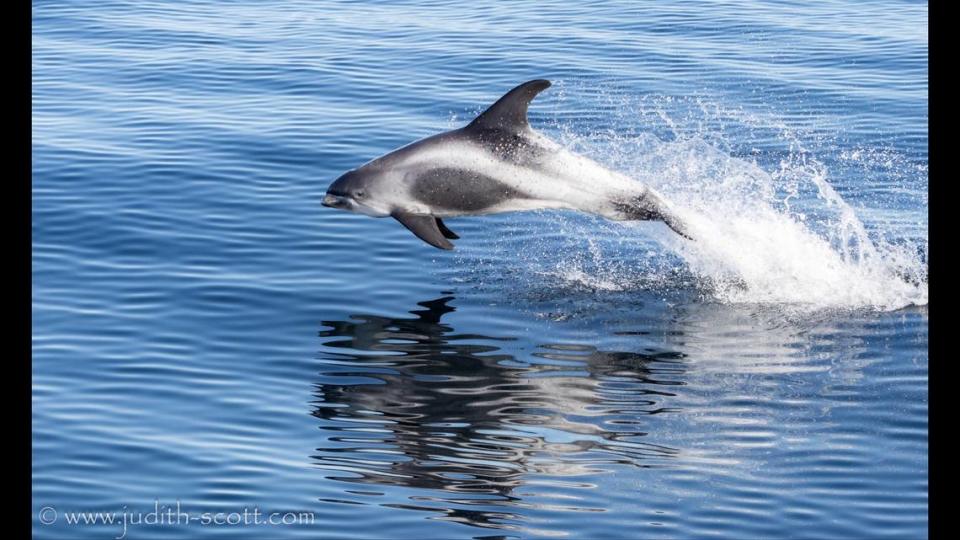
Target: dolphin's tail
x: 675, y: 224
x: 646, y: 207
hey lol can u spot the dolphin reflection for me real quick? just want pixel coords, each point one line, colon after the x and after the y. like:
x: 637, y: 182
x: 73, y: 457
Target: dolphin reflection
x: 412, y: 402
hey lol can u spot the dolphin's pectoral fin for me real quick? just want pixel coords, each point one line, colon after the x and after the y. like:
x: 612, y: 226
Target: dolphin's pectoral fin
x: 425, y: 227
x: 447, y: 233
x: 510, y: 111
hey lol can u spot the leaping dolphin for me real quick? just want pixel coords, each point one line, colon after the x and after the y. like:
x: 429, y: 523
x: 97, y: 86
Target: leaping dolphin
x: 496, y: 163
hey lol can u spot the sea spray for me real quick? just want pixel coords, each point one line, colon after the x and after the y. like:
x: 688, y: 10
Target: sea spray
x: 780, y: 237
x: 754, y: 246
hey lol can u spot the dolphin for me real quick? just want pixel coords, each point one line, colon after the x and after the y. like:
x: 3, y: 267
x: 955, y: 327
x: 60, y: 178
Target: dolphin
x: 496, y: 163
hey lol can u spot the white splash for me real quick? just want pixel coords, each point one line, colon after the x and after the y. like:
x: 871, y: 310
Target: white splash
x: 783, y: 237
x: 758, y: 241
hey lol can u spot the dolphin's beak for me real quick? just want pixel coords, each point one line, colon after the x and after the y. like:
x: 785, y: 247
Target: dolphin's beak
x: 333, y: 201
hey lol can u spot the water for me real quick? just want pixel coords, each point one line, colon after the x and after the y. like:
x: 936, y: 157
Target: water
x: 205, y: 333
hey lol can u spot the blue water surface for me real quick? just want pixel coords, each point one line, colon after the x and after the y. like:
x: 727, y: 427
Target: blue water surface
x: 206, y: 334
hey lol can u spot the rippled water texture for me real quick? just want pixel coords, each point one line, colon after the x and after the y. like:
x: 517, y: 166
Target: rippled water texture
x: 206, y: 333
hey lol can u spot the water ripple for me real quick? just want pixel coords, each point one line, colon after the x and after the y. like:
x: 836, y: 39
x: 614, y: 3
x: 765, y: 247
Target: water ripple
x: 558, y: 375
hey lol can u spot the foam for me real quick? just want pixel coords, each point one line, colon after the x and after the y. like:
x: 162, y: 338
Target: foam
x: 783, y: 236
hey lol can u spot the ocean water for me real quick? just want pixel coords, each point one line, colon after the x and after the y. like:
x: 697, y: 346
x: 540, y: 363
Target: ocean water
x: 210, y: 343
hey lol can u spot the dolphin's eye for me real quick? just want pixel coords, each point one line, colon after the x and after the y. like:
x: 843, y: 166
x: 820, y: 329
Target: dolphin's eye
x: 360, y: 194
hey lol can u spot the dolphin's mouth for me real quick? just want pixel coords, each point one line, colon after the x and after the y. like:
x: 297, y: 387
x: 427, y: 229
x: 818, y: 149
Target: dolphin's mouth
x: 332, y: 200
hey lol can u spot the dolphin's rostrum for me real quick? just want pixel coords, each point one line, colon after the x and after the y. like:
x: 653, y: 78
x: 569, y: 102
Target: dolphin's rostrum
x: 497, y: 163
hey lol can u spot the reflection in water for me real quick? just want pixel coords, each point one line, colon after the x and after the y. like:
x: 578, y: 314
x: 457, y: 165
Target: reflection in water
x: 410, y: 402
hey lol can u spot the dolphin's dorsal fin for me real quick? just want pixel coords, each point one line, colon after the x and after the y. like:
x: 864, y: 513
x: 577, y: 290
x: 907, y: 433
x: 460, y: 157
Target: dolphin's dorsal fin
x: 510, y: 111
